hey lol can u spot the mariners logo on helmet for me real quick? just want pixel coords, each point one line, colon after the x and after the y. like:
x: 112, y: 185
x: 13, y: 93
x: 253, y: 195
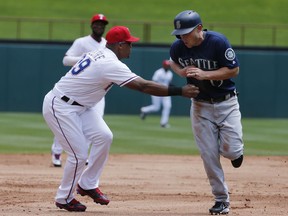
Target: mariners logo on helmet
x: 178, y: 24
x: 230, y: 54
x: 185, y: 22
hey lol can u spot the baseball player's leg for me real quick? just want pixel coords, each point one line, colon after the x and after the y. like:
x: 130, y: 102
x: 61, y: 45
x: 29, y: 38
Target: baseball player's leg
x: 231, y: 141
x: 101, y: 138
x: 56, y: 151
x: 66, y: 125
x: 56, y: 147
x: 154, y: 107
x: 206, y: 137
x: 100, y: 107
x: 166, y: 108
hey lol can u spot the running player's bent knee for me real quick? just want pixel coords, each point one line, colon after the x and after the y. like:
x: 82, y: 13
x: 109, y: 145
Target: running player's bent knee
x: 232, y: 155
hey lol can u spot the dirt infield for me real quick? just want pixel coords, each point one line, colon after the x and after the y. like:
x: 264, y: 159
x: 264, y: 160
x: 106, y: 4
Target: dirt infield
x: 143, y: 185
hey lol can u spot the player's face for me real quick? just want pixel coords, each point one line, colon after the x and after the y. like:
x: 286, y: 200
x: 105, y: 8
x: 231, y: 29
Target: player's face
x: 98, y: 28
x: 166, y: 67
x: 193, y: 38
x: 125, y: 49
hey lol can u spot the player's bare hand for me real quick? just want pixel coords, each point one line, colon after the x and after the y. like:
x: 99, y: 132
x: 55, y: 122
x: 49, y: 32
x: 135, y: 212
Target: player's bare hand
x: 190, y: 91
x: 196, y: 73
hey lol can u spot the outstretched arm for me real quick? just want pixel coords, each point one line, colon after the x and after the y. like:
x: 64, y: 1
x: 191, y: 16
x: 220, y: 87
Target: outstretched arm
x: 153, y: 88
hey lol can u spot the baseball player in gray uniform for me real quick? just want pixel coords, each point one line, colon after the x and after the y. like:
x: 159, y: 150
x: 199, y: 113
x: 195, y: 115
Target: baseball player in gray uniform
x: 208, y: 61
x: 75, y: 53
x: 164, y: 76
x: 67, y: 109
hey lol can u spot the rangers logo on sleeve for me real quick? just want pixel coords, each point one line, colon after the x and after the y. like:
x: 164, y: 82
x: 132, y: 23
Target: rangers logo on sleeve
x: 230, y: 54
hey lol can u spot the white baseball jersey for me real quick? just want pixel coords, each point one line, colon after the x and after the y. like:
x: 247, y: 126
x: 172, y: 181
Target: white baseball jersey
x: 75, y: 53
x: 89, y: 80
x: 84, y: 45
x: 163, y: 77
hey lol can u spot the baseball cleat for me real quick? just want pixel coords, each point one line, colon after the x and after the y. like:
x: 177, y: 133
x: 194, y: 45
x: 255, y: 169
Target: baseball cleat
x: 219, y: 208
x: 95, y: 194
x: 237, y: 162
x: 56, y: 160
x: 74, y: 205
x: 165, y: 126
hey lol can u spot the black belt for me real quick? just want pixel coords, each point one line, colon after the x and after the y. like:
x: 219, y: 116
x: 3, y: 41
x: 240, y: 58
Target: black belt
x: 219, y: 99
x: 66, y: 99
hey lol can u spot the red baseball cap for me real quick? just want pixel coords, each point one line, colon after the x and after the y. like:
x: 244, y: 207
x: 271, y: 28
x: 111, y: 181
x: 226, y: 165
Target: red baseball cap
x: 120, y: 34
x: 99, y: 17
x: 166, y: 63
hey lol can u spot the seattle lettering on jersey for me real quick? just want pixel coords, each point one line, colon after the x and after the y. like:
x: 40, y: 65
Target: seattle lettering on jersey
x: 203, y: 64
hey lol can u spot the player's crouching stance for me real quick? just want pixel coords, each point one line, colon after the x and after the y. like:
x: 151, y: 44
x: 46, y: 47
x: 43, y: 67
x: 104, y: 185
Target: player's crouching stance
x: 68, y: 111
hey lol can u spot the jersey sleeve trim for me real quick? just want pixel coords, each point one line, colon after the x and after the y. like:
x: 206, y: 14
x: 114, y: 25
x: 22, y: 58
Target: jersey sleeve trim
x: 127, y: 81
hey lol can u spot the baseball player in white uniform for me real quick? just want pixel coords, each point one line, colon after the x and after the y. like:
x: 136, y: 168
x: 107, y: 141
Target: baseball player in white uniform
x: 164, y: 76
x: 68, y: 111
x: 75, y: 53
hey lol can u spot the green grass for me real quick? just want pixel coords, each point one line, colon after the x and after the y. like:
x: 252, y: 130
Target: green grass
x: 23, y: 133
x: 28, y: 133
x: 159, y: 12
x: 266, y: 136
x: 226, y: 11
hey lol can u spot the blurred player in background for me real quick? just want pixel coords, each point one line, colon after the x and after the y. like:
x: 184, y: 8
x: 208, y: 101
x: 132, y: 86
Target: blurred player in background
x: 164, y: 76
x: 76, y: 52
x: 208, y: 61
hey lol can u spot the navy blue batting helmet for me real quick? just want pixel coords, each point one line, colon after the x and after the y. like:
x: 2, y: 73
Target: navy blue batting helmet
x: 185, y: 22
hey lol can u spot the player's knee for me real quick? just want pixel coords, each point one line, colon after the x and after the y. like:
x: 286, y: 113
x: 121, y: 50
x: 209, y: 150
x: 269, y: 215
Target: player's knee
x: 79, y: 158
x: 107, y: 136
x: 104, y: 139
x: 231, y: 155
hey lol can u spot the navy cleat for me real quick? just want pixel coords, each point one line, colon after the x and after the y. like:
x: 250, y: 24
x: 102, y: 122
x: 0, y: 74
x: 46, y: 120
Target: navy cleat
x: 237, y: 162
x: 219, y: 208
